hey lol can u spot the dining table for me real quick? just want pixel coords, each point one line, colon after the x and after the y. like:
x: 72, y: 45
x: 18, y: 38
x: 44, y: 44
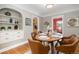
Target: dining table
x: 51, y: 39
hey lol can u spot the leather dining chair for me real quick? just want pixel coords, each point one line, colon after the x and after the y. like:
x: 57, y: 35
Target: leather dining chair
x: 37, y: 47
x: 65, y: 40
x: 69, y: 47
x: 33, y: 35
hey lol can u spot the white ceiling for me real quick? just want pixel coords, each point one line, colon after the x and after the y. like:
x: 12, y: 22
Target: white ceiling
x: 40, y: 10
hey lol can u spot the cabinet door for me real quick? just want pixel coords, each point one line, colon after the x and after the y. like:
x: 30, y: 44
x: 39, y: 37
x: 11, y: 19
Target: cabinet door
x: 19, y: 35
x: 10, y: 36
x: 3, y: 37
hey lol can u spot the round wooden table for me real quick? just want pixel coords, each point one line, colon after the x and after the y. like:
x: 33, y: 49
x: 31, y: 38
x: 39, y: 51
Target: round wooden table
x: 50, y: 40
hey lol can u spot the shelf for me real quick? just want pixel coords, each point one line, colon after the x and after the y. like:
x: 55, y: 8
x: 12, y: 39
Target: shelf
x: 9, y: 16
x: 6, y: 21
x: 9, y: 23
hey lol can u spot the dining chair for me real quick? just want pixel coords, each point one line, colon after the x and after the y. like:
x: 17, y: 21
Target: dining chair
x: 68, y: 48
x: 66, y: 39
x: 33, y: 35
x: 37, y: 47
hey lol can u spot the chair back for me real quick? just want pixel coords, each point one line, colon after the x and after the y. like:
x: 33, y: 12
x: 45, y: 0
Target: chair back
x: 75, y: 41
x: 70, y: 47
x: 69, y: 40
x: 37, y: 47
x: 74, y: 44
x: 33, y: 35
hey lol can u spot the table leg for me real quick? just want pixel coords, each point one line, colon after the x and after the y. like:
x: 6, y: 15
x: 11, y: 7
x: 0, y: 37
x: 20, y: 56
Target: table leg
x: 52, y: 47
x: 58, y: 42
x: 56, y: 46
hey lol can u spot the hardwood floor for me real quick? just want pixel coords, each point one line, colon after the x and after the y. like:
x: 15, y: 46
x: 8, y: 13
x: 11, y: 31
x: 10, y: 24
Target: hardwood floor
x: 24, y: 48
x: 77, y: 49
x: 18, y: 50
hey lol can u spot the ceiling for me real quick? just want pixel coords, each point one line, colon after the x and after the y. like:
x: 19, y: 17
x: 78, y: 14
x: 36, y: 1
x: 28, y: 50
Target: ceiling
x: 40, y: 10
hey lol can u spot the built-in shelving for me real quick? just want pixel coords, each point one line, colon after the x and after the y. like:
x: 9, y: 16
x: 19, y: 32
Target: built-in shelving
x: 10, y: 27
x: 5, y: 21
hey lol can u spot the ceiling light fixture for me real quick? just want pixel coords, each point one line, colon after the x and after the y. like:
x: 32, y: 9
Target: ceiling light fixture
x: 49, y: 5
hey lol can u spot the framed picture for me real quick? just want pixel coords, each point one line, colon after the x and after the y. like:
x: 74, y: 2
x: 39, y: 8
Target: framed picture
x: 35, y: 24
x: 73, y: 22
x: 28, y: 22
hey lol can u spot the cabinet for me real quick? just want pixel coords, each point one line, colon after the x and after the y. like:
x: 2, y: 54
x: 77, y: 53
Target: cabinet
x: 10, y: 25
x: 8, y: 36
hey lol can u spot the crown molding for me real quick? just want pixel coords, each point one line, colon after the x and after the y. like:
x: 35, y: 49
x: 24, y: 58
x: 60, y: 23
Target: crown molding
x: 52, y: 14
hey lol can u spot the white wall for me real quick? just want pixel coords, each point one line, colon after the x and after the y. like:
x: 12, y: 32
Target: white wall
x: 65, y: 29
x: 70, y: 30
x: 42, y: 20
x: 27, y: 29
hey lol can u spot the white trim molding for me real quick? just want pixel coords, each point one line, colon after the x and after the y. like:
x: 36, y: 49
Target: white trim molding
x: 10, y: 47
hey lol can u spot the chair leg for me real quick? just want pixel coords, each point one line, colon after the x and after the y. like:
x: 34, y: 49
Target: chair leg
x: 56, y: 44
x: 57, y: 52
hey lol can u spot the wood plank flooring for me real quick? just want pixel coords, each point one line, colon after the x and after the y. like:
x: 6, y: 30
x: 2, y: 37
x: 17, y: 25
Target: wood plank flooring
x: 18, y: 50
x: 25, y: 48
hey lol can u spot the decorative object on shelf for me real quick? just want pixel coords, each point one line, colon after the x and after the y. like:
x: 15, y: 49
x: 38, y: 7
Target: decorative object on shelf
x: 9, y: 28
x: 2, y: 28
x: 28, y: 22
x: 73, y: 22
x: 16, y: 27
x: 16, y: 22
x: 7, y: 13
x: 11, y: 20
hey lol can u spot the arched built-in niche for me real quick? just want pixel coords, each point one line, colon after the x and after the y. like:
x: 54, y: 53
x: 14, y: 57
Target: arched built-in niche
x: 3, y: 28
x: 10, y: 17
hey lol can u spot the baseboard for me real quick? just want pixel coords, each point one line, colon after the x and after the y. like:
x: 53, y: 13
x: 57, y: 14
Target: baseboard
x: 8, y: 48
